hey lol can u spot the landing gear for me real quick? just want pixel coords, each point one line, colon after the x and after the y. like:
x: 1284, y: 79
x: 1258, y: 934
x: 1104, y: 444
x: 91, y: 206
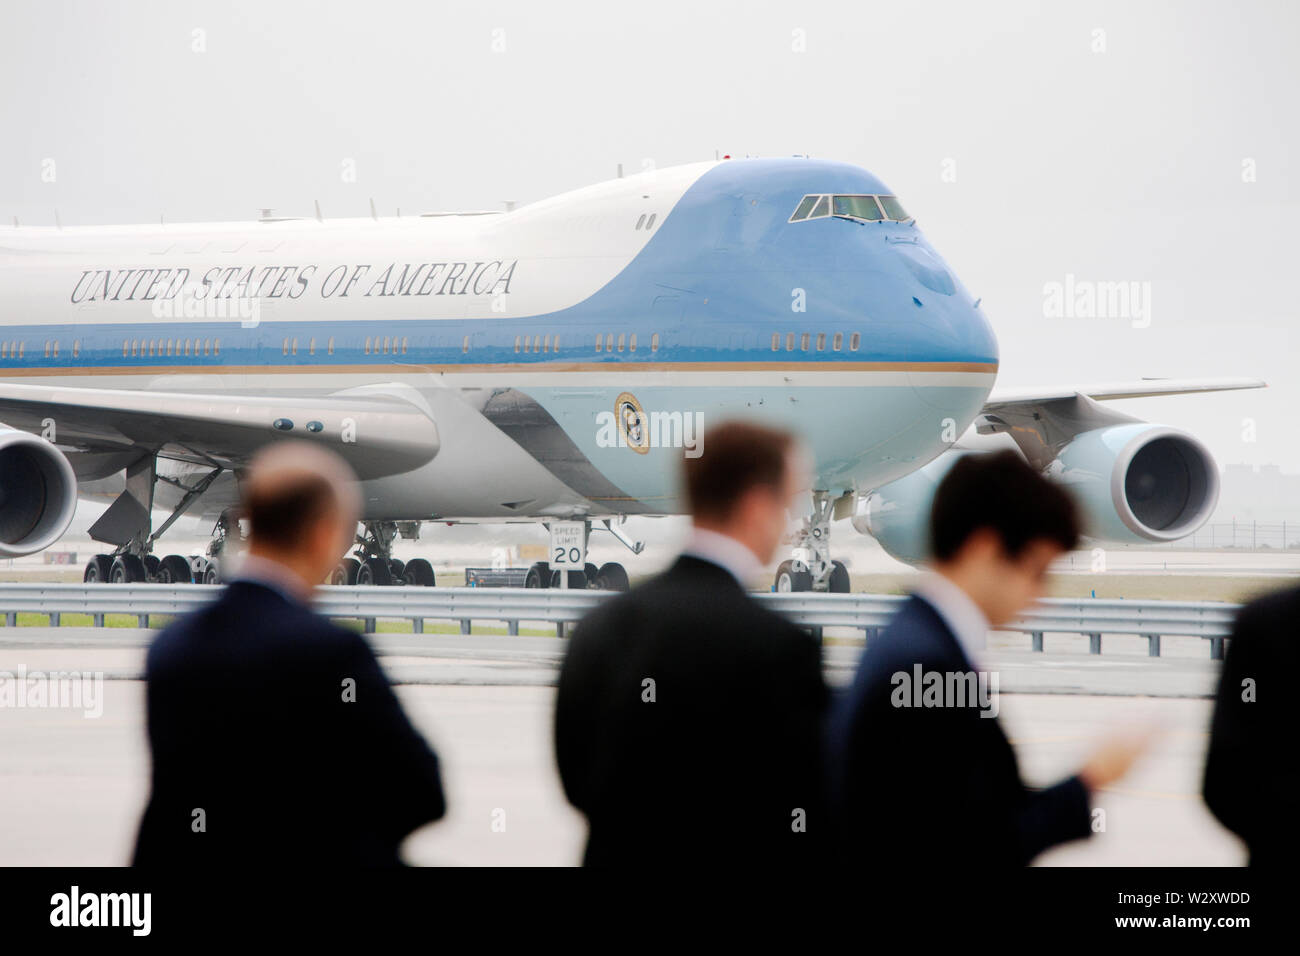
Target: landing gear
x: 98, y: 570
x: 127, y: 569
x: 611, y: 577
x: 373, y: 564
x: 791, y: 578
x: 345, y: 572
x: 174, y: 569
x: 577, y: 579
x: 538, y: 576
x: 375, y: 571
x: 418, y: 573
x: 810, y: 567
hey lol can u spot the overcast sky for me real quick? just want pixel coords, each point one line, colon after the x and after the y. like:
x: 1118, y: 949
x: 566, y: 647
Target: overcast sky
x: 1147, y: 142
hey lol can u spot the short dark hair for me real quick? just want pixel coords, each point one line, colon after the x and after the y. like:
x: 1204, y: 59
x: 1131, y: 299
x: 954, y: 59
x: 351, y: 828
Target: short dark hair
x: 737, y: 457
x: 1001, y: 492
x: 279, y: 514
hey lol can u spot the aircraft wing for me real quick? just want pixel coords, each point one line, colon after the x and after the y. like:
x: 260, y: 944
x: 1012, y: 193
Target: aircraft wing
x: 1106, y: 391
x: 378, y: 435
x: 1042, y: 421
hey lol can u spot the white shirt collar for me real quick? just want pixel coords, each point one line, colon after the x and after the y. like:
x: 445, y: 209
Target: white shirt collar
x: 274, y: 575
x: 726, y: 552
x: 962, y: 615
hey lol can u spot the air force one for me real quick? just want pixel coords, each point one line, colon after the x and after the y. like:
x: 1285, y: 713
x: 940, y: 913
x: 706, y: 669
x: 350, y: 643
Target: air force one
x: 550, y: 363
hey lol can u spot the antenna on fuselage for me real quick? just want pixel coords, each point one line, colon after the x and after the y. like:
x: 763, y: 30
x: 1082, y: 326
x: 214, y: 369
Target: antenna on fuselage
x: 319, y: 217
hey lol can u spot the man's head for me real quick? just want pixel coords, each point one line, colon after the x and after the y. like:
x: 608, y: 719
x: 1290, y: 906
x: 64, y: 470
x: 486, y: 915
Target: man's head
x: 302, y: 504
x: 744, y: 483
x: 995, y: 528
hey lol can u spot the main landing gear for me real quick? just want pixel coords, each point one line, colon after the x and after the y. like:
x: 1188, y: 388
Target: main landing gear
x: 608, y: 577
x: 611, y: 576
x: 127, y: 524
x: 810, y: 567
x: 373, y: 564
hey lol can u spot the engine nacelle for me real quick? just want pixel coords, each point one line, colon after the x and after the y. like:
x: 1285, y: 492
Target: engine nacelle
x: 898, y: 514
x: 1133, y: 483
x: 1139, y: 482
x: 38, y: 494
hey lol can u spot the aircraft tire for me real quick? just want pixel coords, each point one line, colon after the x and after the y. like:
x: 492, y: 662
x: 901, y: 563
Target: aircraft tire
x: 174, y: 569
x: 127, y: 569
x: 375, y: 572
x: 419, y: 573
x: 612, y: 577
x: 788, y: 580
x: 98, y: 570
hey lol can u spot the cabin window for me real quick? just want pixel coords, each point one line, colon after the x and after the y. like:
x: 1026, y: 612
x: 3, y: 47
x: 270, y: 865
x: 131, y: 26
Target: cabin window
x: 216, y: 346
x: 620, y: 341
x: 789, y: 341
x: 821, y: 341
x: 329, y: 345
x: 650, y: 223
x: 803, y: 342
x: 853, y: 342
x: 631, y: 344
x: 367, y: 345
x: 837, y: 342
x: 654, y: 342
x: 517, y: 343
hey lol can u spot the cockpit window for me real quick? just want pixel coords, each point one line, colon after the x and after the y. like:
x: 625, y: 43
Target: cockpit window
x: 858, y: 207
x: 861, y: 208
x: 805, y: 207
x: 893, y: 208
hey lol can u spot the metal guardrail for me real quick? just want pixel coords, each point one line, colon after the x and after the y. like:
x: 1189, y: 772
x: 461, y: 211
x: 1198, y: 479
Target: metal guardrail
x: 560, y: 607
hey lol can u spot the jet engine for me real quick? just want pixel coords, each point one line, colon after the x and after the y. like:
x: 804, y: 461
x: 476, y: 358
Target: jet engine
x: 1133, y: 482
x: 38, y: 494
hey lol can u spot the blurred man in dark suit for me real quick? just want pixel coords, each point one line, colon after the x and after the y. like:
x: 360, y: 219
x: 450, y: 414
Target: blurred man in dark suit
x: 688, y: 719
x: 923, y: 775
x: 1251, y: 781
x: 275, y: 735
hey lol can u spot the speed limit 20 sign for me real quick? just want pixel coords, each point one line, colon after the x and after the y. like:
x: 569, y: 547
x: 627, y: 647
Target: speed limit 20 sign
x: 568, y: 544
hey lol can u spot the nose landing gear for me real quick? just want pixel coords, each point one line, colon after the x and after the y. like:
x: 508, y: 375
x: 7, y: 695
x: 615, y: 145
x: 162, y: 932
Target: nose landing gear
x: 811, y: 567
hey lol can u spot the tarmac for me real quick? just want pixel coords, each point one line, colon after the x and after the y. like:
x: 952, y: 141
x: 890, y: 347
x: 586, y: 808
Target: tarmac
x: 72, y: 787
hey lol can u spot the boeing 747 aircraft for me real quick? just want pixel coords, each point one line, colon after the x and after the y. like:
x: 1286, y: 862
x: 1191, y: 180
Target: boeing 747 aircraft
x: 550, y: 363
